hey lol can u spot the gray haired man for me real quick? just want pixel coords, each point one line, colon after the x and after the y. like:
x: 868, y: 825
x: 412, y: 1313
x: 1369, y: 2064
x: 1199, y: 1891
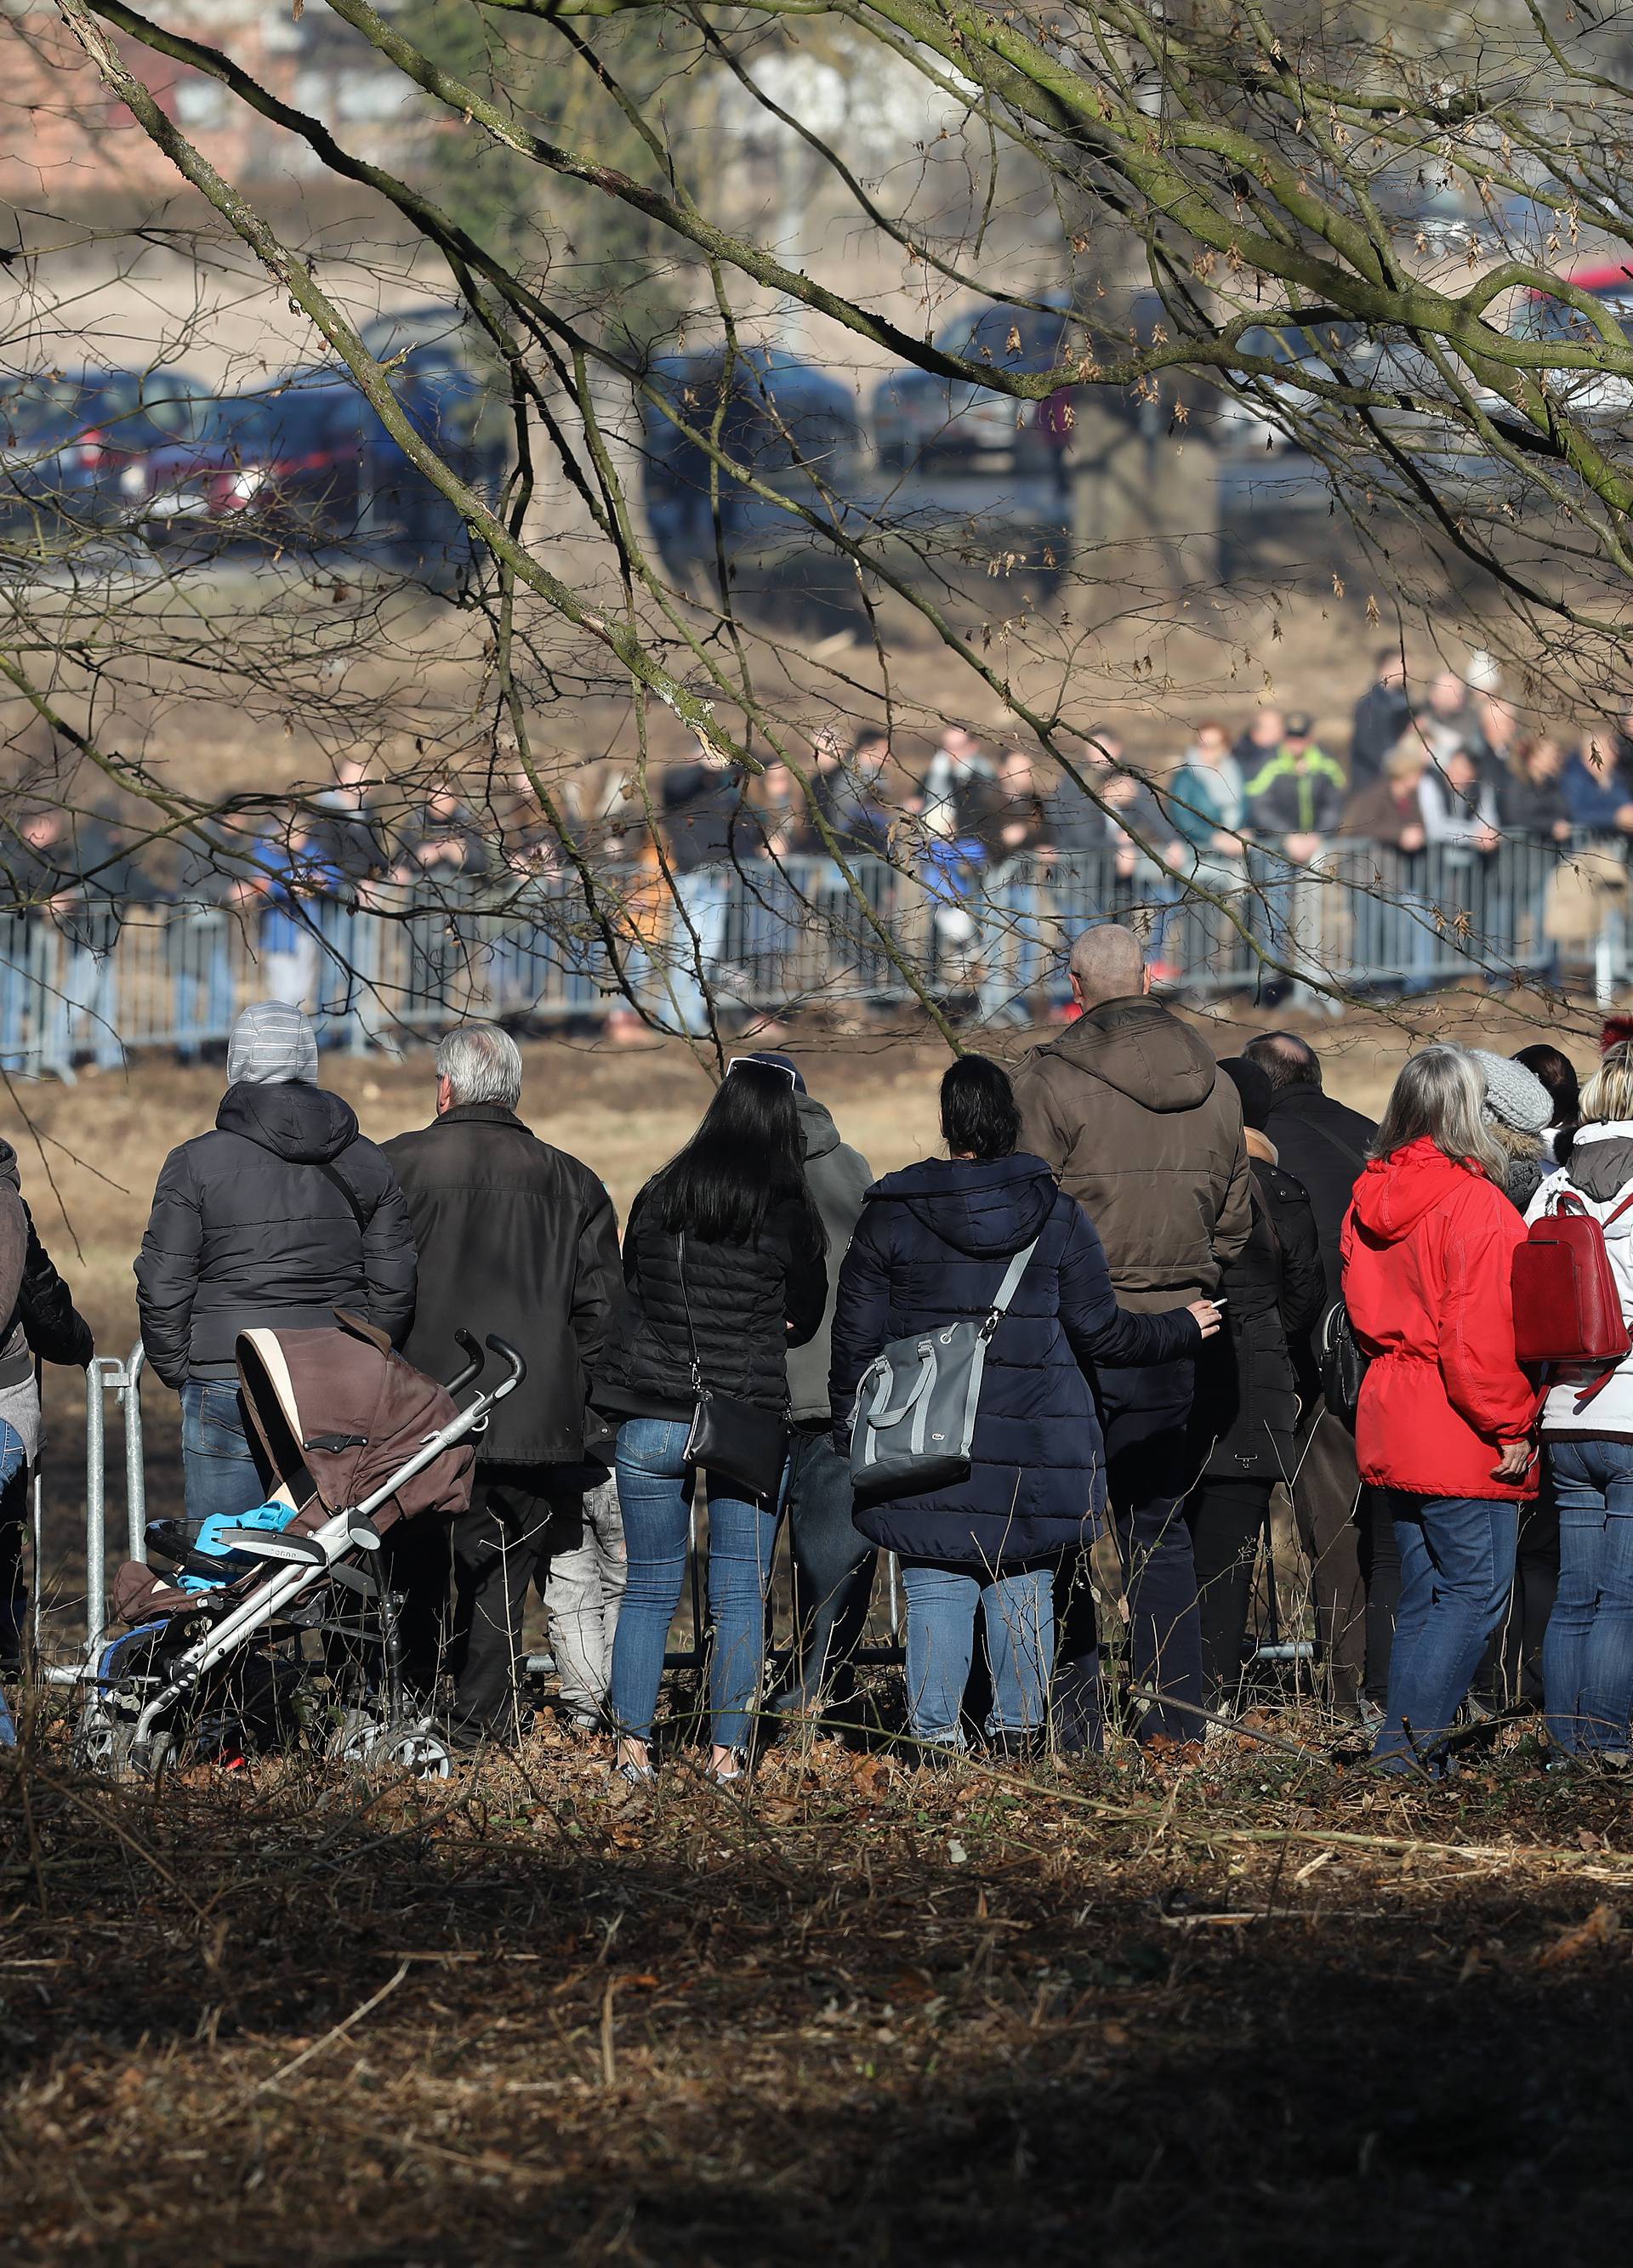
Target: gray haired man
x: 518, y: 1238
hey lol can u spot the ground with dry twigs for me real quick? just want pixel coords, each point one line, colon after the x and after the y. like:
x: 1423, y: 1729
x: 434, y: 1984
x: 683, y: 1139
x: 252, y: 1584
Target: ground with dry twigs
x: 1231, y: 2007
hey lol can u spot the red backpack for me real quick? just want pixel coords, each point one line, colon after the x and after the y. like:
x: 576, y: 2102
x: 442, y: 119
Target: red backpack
x: 1567, y: 1309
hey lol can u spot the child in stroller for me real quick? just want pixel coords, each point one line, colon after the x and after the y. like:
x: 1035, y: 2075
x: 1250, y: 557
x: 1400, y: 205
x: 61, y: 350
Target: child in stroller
x: 278, y: 1626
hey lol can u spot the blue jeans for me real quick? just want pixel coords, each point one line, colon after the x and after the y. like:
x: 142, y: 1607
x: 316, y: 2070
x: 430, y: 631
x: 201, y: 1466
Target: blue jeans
x: 1019, y: 1614
x: 654, y: 1489
x: 1457, y: 1569
x: 1011, y: 950
x: 219, y: 1470
x: 701, y: 901
x: 88, y: 992
x: 203, y: 990
x: 833, y: 1569
x: 1587, y: 1656
x: 11, y: 1464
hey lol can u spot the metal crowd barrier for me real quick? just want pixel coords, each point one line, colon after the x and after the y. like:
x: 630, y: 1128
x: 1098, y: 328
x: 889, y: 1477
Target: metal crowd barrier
x: 769, y: 933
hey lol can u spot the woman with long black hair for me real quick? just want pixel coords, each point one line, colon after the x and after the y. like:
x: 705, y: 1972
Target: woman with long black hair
x: 724, y: 1270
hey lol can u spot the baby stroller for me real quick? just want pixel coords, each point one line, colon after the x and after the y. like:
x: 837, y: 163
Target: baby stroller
x: 278, y: 1630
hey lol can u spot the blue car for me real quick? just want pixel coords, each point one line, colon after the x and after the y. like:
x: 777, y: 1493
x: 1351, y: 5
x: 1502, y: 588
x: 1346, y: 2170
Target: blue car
x: 787, y: 422
x: 68, y: 437
x: 919, y: 416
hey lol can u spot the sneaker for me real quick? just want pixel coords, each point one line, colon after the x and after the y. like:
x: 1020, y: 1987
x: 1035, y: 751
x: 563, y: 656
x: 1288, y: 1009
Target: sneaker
x: 727, y: 1774
x: 623, y: 1776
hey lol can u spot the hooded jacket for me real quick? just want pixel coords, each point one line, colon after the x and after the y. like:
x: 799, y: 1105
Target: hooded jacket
x: 1600, y: 1174
x: 1428, y: 1250
x: 43, y: 1320
x: 931, y: 1248
x: 837, y: 1178
x: 279, y: 1215
x: 1128, y: 1107
x: 515, y: 1237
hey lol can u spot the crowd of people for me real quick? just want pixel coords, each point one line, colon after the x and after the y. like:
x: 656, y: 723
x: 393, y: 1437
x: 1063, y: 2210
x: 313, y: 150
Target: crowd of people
x: 981, y: 861
x: 1153, y: 1252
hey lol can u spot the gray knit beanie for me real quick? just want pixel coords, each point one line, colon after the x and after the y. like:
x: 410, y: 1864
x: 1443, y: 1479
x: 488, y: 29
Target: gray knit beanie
x: 1515, y: 1097
x: 273, y: 1045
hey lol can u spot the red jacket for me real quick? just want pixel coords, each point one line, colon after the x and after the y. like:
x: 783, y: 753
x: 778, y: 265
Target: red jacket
x: 1428, y: 1244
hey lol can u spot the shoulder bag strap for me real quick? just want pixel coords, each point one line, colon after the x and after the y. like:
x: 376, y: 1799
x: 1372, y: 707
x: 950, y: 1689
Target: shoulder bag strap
x: 1338, y: 1143
x: 1007, y: 1289
x: 698, y: 1385
x: 354, y: 1204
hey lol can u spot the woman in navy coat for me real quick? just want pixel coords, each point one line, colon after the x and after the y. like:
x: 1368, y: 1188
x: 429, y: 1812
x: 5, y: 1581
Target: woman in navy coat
x: 931, y: 1248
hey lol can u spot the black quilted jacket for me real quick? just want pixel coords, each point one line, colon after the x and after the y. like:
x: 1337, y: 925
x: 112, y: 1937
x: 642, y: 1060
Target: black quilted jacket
x: 749, y: 1304
x: 278, y: 1216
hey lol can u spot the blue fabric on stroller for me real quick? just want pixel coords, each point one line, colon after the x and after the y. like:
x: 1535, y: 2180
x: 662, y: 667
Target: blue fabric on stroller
x: 208, y: 1544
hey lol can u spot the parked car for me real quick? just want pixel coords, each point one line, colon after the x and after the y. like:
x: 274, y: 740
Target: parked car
x: 305, y: 459
x: 68, y: 437
x: 790, y: 423
x: 1262, y: 415
x: 919, y: 415
x: 1594, y: 395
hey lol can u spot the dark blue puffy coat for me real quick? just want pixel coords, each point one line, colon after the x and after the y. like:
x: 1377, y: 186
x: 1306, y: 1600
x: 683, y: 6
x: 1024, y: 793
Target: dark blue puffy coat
x: 931, y: 1247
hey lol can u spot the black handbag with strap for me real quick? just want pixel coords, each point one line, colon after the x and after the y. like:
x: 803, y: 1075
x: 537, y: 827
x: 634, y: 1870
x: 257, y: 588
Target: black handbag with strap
x: 733, y: 1439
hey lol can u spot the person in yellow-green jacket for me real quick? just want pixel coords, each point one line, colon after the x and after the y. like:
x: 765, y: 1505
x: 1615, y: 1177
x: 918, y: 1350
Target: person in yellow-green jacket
x: 1298, y: 795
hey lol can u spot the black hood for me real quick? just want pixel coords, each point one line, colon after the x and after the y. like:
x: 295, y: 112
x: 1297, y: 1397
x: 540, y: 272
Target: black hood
x: 993, y: 1206
x: 305, y: 1124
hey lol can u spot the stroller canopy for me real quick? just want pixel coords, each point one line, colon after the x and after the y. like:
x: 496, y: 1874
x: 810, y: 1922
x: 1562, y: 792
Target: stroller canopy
x: 338, y: 1412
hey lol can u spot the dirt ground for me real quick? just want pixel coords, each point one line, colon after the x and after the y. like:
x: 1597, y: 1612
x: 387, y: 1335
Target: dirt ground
x: 1246, y: 2008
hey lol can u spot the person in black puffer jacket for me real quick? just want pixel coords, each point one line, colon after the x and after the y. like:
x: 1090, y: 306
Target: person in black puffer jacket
x: 756, y: 1283
x: 1245, y: 1416
x: 280, y: 1215
x: 43, y: 1322
x: 931, y: 1247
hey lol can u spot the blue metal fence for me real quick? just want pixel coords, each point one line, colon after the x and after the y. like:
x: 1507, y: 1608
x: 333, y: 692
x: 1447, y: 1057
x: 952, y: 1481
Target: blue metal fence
x: 1362, y: 920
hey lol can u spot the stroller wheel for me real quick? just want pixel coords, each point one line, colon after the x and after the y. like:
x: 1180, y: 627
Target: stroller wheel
x: 411, y: 1748
x: 101, y: 1742
x: 354, y: 1738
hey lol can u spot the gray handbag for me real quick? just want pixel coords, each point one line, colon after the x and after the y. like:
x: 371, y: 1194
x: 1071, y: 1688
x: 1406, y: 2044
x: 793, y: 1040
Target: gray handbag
x: 916, y: 1403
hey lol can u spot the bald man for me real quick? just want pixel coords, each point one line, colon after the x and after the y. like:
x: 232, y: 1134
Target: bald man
x: 1128, y: 1107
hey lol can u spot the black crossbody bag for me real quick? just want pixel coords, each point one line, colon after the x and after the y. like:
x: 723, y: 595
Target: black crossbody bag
x: 730, y: 1439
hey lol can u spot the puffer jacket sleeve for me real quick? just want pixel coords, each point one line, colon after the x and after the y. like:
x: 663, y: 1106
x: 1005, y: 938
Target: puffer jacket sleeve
x: 808, y: 1275
x: 861, y: 1317
x: 53, y: 1326
x: 1097, y: 1330
x: 1483, y: 1380
x: 167, y: 1270
x: 390, y: 1261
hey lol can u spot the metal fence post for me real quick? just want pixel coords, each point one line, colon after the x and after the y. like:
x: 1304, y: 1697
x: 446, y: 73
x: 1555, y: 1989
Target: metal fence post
x: 102, y: 1372
x: 36, y: 1521
x: 135, y: 1471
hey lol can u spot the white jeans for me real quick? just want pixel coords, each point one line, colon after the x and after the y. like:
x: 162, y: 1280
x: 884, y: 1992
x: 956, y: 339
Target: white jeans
x: 583, y: 1593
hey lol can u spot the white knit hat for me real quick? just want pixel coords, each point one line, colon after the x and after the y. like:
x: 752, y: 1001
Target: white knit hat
x: 1515, y: 1096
